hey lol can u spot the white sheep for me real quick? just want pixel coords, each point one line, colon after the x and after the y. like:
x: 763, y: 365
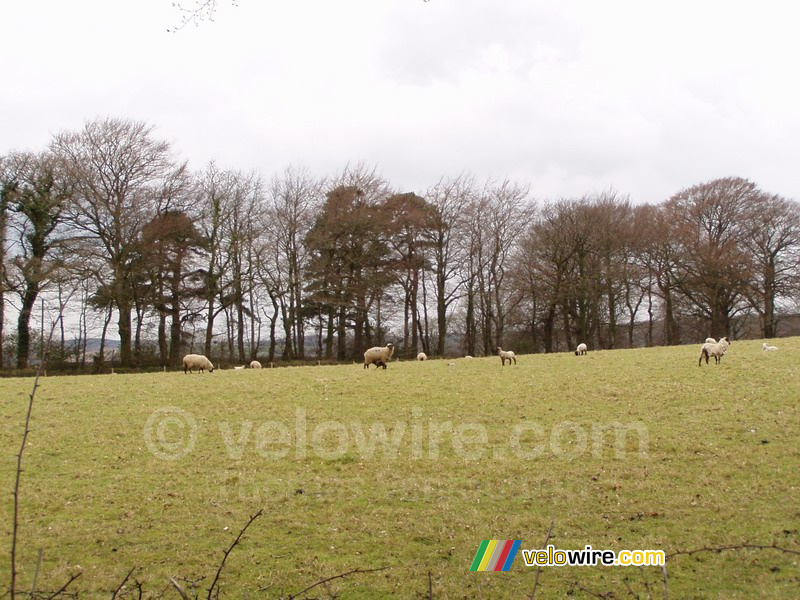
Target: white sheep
x: 581, y: 349
x: 422, y: 356
x: 717, y: 350
x: 468, y: 356
x: 241, y: 368
x: 379, y: 355
x: 766, y: 348
x: 255, y: 365
x: 506, y: 355
x: 197, y: 361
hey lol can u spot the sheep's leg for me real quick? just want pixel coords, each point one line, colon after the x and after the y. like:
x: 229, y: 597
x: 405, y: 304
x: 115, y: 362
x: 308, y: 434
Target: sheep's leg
x: 515, y: 360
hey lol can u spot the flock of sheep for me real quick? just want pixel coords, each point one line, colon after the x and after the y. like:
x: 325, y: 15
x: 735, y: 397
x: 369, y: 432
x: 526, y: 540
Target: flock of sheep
x: 380, y: 355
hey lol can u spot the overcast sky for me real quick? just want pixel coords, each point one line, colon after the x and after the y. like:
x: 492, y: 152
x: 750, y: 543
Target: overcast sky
x: 571, y: 97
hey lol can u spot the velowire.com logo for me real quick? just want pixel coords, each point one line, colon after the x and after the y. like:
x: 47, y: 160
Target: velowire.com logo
x: 495, y: 555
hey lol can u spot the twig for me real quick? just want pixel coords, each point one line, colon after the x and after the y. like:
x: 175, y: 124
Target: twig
x: 603, y: 595
x: 36, y: 572
x: 664, y: 576
x: 121, y: 585
x: 736, y: 547
x: 339, y: 576
x: 65, y: 586
x: 228, y: 551
x: 646, y: 584
x: 18, y: 478
x: 179, y: 589
x: 539, y: 568
x: 430, y: 586
x: 630, y: 589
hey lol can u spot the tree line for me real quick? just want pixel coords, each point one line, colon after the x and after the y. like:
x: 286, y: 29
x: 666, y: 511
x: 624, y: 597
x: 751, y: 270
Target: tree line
x: 298, y: 266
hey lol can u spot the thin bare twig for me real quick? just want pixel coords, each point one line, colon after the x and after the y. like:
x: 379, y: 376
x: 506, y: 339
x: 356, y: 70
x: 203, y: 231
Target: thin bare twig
x: 36, y: 572
x: 603, y: 595
x: 121, y: 585
x: 63, y: 588
x: 664, y: 577
x: 179, y: 589
x: 18, y: 477
x: 228, y: 551
x: 646, y: 584
x: 734, y: 547
x: 630, y: 589
x: 539, y: 568
x: 430, y: 585
x: 339, y: 576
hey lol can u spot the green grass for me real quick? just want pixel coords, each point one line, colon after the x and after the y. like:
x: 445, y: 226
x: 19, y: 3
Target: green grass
x: 721, y: 468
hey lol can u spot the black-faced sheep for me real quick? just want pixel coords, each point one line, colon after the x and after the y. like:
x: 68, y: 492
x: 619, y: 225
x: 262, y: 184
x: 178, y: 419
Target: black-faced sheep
x: 581, y: 349
x: 379, y: 355
x: 422, y: 356
x: 717, y: 350
x: 506, y: 356
x: 197, y: 361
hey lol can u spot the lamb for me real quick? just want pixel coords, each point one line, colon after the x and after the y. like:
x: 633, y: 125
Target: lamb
x: 506, y: 355
x: 197, y: 361
x: 766, y: 348
x: 255, y: 365
x: 379, y: 355
x: 581, y: 349
x: 422, y: 356
x: 468, y: 356
x: 717, y: 350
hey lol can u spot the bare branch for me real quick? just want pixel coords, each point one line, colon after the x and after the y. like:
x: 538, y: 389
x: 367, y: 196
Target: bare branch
x: 539, y: 568
x: 228, y: 551
x: 340, y: 576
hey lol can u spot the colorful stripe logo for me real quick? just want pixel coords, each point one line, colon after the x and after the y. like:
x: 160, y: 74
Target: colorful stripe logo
x: 495, y: 555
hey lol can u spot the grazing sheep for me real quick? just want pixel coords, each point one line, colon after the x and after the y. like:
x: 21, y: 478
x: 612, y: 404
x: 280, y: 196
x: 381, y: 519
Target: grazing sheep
x: 468, y: 356
x: 717, y: 350
x: 582, y: 349
x: 197, y: 361
x: 766, y: 348
x: 379, y: 355
x: 239, y: 368
x: 506, y: 355
x: 710, y: 341
x: 255, y: 365
x: 422, y: 356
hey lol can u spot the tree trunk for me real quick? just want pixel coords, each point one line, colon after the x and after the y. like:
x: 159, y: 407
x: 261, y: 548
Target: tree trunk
x: 23, y: 322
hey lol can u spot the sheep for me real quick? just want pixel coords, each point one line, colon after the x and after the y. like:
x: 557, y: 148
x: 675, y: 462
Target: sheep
x: 506, y: 355
x: 422, y: 356
x: 717, y: 350
x: 379, y: 355
x: 468, y: 356
x: 581, y: 349
x: 255, y: 365
x: 766, y: 348
x: 239, y: 368
x: 197, y: 361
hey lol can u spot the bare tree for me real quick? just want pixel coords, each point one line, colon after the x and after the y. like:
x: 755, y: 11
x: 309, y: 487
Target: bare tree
x: 449, y: 198
x: 773, y: 240
x: 713, y: 265
x: 120, y: 172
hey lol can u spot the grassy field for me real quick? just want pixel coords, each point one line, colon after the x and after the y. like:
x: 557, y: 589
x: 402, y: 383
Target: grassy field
x: 161, y: 471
